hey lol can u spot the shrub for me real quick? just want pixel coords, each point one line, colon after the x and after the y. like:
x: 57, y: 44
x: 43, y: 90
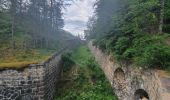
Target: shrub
x: 120, y: 47
x: 154, y: 56
x: 145, y: 50
x: 102, y: 44
x: 129, y: 53
x: 66, y: 61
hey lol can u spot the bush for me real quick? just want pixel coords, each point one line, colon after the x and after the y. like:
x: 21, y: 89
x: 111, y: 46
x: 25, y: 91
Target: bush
x: 154, y: 56
x: 102, y: 44
x: 129, y: 53
x: 66, y: 61
x: 145, y: 50
x: 120, y: 47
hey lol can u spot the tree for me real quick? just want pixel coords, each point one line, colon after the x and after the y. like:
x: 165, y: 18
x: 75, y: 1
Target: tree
x: 33, y: 22
x: 13, y: 9
x: 166, y: 25
x: 127, y: 17
x: 162, y: 3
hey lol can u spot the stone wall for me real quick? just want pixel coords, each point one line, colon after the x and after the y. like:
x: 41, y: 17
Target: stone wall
x: 132, y: 83
x: 35, y: 82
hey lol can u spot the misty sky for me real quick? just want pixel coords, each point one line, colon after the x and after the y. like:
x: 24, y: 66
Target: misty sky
x: 76, y: 16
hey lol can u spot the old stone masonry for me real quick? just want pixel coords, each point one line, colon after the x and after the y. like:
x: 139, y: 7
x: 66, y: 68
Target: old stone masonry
x: 132, y: 83
x: 35, y: 82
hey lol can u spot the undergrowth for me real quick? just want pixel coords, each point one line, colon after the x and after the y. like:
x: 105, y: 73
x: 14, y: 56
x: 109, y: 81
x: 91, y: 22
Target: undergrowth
x: 83, y: 79
x: 145, y: 50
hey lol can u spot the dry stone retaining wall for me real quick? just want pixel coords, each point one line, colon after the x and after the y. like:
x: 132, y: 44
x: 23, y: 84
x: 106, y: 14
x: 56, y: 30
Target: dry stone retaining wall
x: 132, y: 83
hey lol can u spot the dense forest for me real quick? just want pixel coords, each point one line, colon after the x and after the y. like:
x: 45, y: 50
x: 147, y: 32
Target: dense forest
x: 31, y: 28
x: 133, y: 31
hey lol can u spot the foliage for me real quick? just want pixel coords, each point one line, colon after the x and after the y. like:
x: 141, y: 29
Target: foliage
x: 130, y: 30
x: 154, y: 56
x: 145, y: 50
x: 31, y: 30
x: 121, y: 45
x: 166, y: 27
x: 90, y: 84
x: 151, y: 51
x: 66, y: 61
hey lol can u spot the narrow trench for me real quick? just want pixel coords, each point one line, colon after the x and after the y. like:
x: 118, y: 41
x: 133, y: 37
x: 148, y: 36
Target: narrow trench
x: 84, y: 80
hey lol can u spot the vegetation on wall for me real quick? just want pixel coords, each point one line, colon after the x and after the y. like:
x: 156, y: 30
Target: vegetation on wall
x: 135, y: 31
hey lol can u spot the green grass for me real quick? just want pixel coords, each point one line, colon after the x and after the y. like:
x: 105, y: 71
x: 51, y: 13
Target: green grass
x: 21, y: 58
x: 81, y: 56
x: 85, y: 80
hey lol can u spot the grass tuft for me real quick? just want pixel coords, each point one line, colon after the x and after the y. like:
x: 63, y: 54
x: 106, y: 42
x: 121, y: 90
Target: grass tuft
x: 22, y: 59
x: 16, y: 65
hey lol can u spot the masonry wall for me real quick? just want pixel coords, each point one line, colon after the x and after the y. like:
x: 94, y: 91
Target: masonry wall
x: 35, y: 82
x: 52, y: 75
x: 130, y: 82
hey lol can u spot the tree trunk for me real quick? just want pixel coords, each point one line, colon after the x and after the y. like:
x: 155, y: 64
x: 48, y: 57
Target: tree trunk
x: 162, y: 3
x: 51, y: 14
x: 12, y: 34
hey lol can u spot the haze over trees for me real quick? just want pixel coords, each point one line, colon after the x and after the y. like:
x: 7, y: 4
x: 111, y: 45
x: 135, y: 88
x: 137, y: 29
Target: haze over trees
x: 135, y: 31
x: 31, y: 24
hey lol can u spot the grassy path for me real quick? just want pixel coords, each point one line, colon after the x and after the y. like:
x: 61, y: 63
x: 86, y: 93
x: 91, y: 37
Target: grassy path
x: 84, y: 80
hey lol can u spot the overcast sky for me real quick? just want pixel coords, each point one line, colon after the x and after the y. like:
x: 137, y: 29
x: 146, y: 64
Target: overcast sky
x: 76, y: 16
